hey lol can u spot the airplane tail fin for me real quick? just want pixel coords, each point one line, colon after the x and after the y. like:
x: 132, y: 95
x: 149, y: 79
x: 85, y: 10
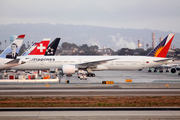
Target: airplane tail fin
x: 162, y: 48
x: 51, y: 49
x: 40, y: 48
x: 17, y: 45
x: 29, y: 49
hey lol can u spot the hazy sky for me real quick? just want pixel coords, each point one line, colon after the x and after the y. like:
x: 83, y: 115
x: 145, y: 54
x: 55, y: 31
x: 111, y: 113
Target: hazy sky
x: 139, y: 14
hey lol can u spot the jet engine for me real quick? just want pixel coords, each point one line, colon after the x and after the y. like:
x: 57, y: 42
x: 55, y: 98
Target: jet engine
x: 69, y: 69
x: 173, y: 70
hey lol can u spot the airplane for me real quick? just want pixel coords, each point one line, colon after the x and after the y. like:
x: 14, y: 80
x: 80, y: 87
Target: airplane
x: 71, y: 64
x: 8, y: 56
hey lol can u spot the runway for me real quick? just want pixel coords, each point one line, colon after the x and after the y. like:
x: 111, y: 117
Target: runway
x: 118, y: 77
x: 92, y: 92
x: 89, y: 113
x: 143, y: 84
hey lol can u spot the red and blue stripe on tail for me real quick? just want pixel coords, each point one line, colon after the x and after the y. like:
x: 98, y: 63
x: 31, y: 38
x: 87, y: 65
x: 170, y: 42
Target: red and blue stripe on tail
x: 161, y: 50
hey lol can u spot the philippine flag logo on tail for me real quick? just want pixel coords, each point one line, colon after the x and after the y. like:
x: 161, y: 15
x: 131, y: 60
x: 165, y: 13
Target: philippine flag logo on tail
x: 161, y: 50
x: 40, y: 48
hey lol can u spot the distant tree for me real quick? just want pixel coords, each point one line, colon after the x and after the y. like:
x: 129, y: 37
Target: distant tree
x: 94, y: 47
x: 58, y: 51
x: 177, y: 51
x: 125, y: 51
x: 0, y: 45
x: 74, y: 45
x: 147, y: 45
x: 5, y: 43
x: 28, y: 44
x: 84, y: 47
x: 66, y: 45
x: 22, y: 49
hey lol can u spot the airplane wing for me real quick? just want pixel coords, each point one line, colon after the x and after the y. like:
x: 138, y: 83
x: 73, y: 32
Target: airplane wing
x: 92, y: 63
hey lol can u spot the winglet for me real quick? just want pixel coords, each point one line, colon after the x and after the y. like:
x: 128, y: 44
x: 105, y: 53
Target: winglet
x: 162, y: 48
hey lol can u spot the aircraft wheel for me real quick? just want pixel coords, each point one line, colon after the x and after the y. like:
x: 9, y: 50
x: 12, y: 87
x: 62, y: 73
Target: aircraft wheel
x: 93, y: 75
x: 161, y: 71
x: 155, y: 70
x: 87, y: 74
x: 167, y: 70
x: 178, y: 73
x: 149, y: 71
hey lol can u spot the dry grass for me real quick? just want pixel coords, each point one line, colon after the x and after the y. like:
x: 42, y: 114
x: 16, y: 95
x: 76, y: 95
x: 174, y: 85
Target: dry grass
x: 96, y: 101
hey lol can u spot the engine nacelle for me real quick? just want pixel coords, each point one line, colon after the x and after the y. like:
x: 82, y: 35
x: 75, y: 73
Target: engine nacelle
x: 173, y: 70
x: 69, y: 69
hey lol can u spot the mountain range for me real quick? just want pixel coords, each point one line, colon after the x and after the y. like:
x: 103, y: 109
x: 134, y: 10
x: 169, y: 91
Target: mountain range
x: 115, y: 38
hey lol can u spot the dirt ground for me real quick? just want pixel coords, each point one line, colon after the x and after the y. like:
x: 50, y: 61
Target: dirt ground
x: 96, y: 101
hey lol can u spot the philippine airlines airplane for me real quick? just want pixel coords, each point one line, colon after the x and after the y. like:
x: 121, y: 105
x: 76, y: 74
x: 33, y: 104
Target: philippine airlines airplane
x: 8, y: 56
x: 71, y: 64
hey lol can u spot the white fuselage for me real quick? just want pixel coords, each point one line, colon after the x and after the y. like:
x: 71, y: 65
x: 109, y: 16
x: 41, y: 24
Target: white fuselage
x: 119, y: 62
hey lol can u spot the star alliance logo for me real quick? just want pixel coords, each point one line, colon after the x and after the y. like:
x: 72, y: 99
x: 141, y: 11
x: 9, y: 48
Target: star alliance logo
x: 50, y: 51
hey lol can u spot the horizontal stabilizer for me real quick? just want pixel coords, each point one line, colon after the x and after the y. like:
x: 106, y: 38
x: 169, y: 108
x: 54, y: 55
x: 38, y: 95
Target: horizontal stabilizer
x: 163, y: 60
x: 14, y: 61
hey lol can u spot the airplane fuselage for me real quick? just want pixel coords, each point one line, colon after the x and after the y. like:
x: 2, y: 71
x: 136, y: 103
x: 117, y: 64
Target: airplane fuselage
x: 119, y: 62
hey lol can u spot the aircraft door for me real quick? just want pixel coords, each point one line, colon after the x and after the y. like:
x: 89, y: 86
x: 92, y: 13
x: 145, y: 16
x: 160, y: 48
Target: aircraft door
x: 143, y: 61
x: 79, y: 60
x: 111, y: 62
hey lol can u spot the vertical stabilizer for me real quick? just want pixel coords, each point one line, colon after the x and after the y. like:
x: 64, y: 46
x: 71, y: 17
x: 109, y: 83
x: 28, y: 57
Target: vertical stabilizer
x: 13, y: 49
x: 51, y: 49
x: 40, y: 48
x: 29, y: 49
x: 162, y: 48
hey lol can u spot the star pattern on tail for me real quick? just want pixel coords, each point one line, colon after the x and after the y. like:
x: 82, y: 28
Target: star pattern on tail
x: 50, y: 51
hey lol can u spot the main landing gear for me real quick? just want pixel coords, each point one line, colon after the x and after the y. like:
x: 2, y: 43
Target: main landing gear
x: 149, y: 70
x: 89, y: 73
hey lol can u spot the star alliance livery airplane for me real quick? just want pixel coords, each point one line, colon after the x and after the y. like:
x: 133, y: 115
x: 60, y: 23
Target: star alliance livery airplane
x: 9, y: 55
x: 71, y: 64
